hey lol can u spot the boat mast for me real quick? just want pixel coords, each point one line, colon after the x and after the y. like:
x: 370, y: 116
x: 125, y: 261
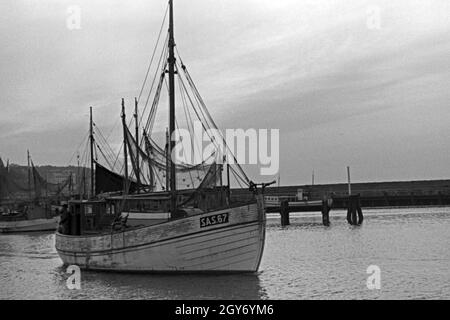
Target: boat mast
x: 228, y: 182
x: 29, y: 173
x: 84, y: 181
x: 71, y: 185
x: 79, y: 179
x: 138, y: 175
x: 172, y: 62
x: 46, y: 185
x: 91, y: 139
x: 167, y: 160
x: 125, y: 151
x: 149, y: 152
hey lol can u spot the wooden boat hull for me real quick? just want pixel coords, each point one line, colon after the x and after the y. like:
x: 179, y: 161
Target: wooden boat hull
x: 34, y: 225
x: 192, y: 244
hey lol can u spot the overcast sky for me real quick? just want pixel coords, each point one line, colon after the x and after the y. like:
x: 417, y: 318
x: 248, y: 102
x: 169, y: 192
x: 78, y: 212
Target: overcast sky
x: 341, y: 90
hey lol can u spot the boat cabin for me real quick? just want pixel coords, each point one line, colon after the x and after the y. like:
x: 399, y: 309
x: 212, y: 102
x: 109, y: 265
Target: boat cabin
x: 133, y: 211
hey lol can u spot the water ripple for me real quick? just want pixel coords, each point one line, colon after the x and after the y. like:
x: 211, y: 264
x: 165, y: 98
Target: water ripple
x: 303, y: 261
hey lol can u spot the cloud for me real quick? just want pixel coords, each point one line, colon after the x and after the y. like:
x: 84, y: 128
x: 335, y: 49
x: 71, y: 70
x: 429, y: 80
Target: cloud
x: 311, y: 68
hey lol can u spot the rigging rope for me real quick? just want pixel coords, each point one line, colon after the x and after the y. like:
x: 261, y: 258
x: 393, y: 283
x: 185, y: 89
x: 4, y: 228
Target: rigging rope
x: 79, y: 146
x: 202, y: 103
x: 153, y: 54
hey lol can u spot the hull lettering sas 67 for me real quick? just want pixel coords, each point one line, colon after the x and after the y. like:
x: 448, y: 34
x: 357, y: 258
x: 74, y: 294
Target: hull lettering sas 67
x: 214, y: 220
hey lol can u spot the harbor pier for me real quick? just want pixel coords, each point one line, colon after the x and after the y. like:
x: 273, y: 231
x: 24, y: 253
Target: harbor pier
x: 308, y: 198
x: 372, y: 194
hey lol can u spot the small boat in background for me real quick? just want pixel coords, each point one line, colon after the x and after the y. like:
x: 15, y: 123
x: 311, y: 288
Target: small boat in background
x: 31, y: 218
x: 33, y: 212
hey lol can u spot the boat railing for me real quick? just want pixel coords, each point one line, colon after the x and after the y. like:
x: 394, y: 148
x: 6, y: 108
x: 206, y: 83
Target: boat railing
x: 114, y: 214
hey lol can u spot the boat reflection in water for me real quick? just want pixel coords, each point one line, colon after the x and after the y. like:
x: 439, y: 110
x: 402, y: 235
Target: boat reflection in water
x: 175, y: 287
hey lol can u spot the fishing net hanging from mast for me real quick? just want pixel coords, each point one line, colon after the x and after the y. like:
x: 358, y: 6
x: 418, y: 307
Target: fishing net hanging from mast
x: 10, y: 183
x: 154, y: 159
x: 154, y: 156
x: 43, y: 187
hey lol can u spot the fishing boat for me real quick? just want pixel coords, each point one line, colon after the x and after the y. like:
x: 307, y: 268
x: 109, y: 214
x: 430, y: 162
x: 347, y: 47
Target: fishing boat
x: 33, y: 218
x: 178, y: 216
x: 27, y: 213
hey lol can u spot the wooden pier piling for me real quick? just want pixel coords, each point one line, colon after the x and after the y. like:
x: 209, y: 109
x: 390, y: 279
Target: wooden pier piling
x: 354, y: 212
x: 286, y: 208
x: 284, y: 212
x: 326, y: 207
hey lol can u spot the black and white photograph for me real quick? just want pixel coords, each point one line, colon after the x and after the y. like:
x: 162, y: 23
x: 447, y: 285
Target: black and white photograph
x: 225, y: 155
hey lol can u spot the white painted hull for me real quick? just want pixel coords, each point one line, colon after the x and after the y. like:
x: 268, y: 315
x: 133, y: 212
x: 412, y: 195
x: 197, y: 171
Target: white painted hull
x: 29, y: 225
x: 175, y: 246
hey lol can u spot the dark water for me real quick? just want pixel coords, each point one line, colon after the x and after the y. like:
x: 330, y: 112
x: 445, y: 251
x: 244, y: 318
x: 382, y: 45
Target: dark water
x: 303, y: 261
